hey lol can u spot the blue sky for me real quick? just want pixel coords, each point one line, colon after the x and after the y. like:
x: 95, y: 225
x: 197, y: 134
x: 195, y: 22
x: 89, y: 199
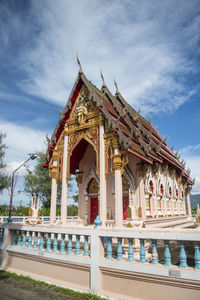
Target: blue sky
x: 152, y: 48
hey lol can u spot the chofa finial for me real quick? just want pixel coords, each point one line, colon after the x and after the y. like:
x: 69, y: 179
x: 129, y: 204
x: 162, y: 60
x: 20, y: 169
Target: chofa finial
x: 149, y: 117
x: 78, y: 61
x: 102, y: 78
x: 117, y: 90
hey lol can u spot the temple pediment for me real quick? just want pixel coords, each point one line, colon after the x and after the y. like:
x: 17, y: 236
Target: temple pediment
x: 89, y: 106
x: 124, y: 168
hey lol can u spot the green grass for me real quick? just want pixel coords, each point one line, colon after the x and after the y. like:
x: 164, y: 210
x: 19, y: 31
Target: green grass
x: 60, y: 290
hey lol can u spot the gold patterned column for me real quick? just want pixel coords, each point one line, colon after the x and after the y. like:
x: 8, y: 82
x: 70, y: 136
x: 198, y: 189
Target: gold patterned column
x: 54, y: 174
x: 102, y: 188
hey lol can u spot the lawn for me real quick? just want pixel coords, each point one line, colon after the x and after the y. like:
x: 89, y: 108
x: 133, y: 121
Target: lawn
x: 17, y: 287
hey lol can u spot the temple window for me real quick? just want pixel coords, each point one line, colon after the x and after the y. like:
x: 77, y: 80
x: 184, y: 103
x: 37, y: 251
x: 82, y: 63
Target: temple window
x: 151, y: 186
x: 161, y: 190
x: 170, y: 191
x: 125, y: 189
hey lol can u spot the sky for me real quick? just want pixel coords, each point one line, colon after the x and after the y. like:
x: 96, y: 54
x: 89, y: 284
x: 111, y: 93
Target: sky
x: 151, y: 48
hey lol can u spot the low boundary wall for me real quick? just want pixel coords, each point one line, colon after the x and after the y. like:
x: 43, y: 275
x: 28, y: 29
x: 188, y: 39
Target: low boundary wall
x: 93, y: 260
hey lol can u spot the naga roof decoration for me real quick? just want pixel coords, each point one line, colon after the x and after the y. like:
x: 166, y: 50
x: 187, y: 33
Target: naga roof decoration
x: 136, y: 134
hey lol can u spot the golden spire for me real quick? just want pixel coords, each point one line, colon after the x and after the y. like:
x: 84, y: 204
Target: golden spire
x: 117, y: 91
x: 102, y: 78
x: 149, y: 117
x: 78, y: 61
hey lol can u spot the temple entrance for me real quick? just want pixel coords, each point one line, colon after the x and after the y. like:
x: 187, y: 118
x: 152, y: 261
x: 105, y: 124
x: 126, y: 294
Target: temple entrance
x: 125, y: 188
x: 125, y: 206
x: 93, y: 191
x: 93, y: 209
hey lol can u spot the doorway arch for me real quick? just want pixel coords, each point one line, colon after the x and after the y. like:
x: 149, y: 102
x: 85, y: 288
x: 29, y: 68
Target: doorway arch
x: 93, y: 193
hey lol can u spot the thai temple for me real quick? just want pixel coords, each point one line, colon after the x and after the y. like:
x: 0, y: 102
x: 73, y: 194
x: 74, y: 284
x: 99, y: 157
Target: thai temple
x: 127, y: 175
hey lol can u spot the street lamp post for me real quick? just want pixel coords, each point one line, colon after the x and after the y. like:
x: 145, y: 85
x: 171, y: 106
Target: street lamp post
x: 32, y: 156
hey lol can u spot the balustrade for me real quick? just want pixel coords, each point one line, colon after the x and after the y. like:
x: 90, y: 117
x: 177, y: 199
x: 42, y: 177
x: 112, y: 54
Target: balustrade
x: 1, y: 235
x: 130, y: 250
x: 62, y: 243
x: 116, y: 248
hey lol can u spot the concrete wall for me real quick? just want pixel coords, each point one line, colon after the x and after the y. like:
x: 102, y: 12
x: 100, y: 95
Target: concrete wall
x: 51, y: 270
x: 114, y: 283
x: 119, y: 279
x: 131, y: 285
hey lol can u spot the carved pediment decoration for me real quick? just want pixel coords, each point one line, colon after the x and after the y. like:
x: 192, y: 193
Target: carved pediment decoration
x: 125, y: 184
x: 172, y: 171
x: 93, y: 187
x: 155, y: 168
x: 164, y: 167
x: 143, y: 169
x: 179, y: 179
x: 83, y: 106
x: 91, y: 135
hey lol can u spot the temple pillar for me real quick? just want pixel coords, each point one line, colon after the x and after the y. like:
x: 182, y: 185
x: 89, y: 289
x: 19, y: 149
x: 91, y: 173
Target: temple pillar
x: 102, y: 188
x: 155, y: 206
x: 188, y: 202
x: 81, y: 202
x: 53, y: 198
x: 64, y: 182
x: 86, y: 208
x: 184, y: 208
x: 152, y: 207
x: 178, y: 207
x: 117, y: 164
x: 164, y: 207
x: 142, y: 206
x: 170, y: 205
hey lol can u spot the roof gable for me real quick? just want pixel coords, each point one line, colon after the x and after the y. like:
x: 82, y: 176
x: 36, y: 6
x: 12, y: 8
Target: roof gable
x: 135, y: 133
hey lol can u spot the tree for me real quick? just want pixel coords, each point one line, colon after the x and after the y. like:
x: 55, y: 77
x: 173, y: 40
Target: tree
x: 4, y: 210
x: 37, y: 183
x: 72, y: 210
x: 3, y: 176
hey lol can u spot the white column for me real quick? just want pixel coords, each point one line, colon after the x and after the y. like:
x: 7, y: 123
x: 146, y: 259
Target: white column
x: 86, y: 208
x: 118, y: 199
x: 118, y: 196
x: 53, y: 198
x: 155, y: 206
x: 152, y: 206
x: 142, y: 198
x: 188, y: 204
x: 177, y: 206
x: 64, y: 183
x: 81, y: 202
x: 103, y: 200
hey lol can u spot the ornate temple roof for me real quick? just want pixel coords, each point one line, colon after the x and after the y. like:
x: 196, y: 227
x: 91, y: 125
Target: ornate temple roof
x: 137, y: 135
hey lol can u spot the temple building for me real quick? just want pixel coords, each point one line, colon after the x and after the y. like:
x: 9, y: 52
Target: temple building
x: 125, y: 170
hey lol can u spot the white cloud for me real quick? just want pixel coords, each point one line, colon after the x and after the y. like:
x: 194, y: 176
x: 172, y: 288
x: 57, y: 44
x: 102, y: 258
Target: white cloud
x: 191, y: 155
x: 146, y: 45
x: 21, y: 141
x: 190, y: 149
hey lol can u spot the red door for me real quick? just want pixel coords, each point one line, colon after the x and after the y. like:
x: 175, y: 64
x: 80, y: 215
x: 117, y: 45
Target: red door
x: 93, y: 209
x: 125, y: 206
